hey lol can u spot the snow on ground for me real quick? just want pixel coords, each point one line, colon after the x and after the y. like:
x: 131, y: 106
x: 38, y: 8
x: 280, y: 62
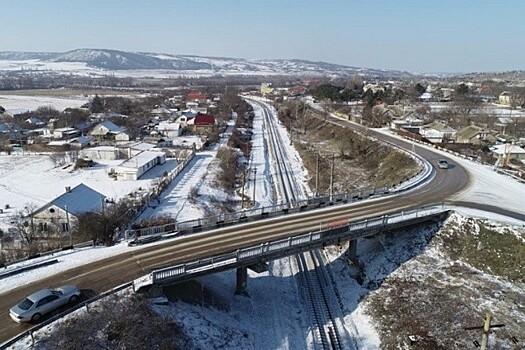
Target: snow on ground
x: 32, y: 179
x: 30, y: 103
x: 66, y: 260
x: 487, y: 186
x: 274, y: 316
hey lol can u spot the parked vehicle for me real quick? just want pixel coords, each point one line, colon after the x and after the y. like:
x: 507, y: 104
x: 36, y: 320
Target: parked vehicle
x: 443, y: 164
x: 42, y: 302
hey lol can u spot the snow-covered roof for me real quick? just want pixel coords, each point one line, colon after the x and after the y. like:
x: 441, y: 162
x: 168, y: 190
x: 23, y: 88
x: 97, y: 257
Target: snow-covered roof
x: 82, y: 140
x: 141, y: 159
x: 112, y: 127
x: 165, y: 126
x: 80, y: 200
x: 507, y: 148
x: 139, y: 146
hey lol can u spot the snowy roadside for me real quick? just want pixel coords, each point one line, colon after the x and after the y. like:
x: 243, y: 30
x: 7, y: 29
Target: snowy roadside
x: 488, y: 187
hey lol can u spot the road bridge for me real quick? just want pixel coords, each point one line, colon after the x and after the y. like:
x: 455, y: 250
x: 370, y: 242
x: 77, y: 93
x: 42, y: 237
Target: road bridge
x: 331, y: 232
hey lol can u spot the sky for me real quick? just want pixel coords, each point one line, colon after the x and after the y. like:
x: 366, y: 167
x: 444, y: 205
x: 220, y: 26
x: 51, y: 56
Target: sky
x: 417, y: 36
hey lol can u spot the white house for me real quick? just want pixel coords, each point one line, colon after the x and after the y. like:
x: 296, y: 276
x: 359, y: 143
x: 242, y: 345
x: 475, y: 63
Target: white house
x: 100, y: 153
x: 437, y: 132
x: 62, y: 213
x: 108, y: 130
x: 65, y: 133
x: 508, y: 150
x: 136, y: 166
x: 130, y: 149
x: 168, y: 129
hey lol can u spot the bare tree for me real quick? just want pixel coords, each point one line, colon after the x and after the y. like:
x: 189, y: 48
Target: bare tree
x: 58, y: 158
x: 305, y: 119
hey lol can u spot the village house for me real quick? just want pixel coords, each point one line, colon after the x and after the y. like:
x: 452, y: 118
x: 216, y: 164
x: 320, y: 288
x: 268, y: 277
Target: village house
x: 61, y: 214
x: 505, y: 98
x: 100, y: 153
x: 35, y: 121
x: 508, y: 151
x: 131, y: 149
x: 196, y: 96
x: 65, y: 133
x: 168, y: 129
x: 80, y: 142
x: 161, y: 112
x: 107, y: 130
x: 474, y: 135
x: 437, y: 132
x: 266, y: 89
x: 136, y: 166
x: 202, y: 123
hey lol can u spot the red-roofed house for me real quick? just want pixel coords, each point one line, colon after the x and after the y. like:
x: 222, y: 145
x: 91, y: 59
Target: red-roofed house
x: 202, y: 123
x: 196, y: 96
x: 297, y: 90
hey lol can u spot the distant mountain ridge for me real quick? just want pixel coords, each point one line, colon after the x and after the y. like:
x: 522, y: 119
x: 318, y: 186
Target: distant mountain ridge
x: 122, y: 60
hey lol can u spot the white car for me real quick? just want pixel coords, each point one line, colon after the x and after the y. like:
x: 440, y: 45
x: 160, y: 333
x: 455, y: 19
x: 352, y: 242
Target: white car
x: 443, y: 164
x: 40, y: 303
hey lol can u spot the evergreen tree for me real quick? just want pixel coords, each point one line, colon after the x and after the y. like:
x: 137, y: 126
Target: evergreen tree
x: 97, y: 105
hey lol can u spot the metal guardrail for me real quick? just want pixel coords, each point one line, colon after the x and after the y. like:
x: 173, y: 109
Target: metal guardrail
x: 221, y: 220
x: 30, y: 332
x: 13, y: 272
x: 48, y: 253
x: 263, y: 251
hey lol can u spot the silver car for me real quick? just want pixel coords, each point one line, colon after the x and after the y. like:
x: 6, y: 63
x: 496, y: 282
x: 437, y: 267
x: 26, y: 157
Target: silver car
x: 40, y: 303
x: 443, y: 164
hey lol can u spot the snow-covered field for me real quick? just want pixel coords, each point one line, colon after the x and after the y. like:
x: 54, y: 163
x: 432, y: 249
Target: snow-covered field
x: 33, y: 180
x: 274, y: 316
x: 30, y: 103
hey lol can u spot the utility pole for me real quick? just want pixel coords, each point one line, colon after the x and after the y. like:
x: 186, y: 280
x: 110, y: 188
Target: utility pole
x: 254, y: 182
x: 317, y: 176
x: 486, y: 330
x: 332, y: 177
x: 242, y: 188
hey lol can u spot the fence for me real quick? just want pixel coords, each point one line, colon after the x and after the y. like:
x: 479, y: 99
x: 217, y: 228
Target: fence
x: 30, y: 332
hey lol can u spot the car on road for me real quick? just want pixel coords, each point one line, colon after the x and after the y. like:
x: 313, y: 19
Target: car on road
x: 32, y: 308
x: 443, y: 164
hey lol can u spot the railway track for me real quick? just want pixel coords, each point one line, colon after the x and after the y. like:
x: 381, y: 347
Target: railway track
x: 316, y: 286
x: 103, y: 275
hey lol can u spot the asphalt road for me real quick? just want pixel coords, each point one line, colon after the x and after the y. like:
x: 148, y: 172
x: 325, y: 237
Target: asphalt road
x: 106, y: 274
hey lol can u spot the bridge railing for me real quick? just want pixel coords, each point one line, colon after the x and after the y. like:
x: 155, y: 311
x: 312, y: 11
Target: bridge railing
x: 262, y: 251
x: 220, y: 220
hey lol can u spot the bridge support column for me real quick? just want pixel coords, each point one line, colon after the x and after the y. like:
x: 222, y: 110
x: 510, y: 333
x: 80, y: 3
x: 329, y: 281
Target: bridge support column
x: 242, y: 281
x: 351, y: 253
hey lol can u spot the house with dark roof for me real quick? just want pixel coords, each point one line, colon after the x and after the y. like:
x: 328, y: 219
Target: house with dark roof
x: 35, y: 121
x: 62, y: 213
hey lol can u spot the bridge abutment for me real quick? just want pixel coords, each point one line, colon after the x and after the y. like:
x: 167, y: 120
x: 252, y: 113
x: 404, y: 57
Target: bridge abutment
x: 242, y: 281
x: 351, y: 252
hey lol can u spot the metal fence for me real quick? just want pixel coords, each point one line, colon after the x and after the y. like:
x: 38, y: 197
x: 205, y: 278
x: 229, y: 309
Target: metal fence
x: 30, y: 332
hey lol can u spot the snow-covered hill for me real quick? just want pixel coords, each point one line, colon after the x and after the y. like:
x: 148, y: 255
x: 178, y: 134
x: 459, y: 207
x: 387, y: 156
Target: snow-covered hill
x: 113, y: 60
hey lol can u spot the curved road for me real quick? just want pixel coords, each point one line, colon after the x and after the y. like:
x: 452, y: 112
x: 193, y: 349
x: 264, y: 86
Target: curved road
x: 106, y: 274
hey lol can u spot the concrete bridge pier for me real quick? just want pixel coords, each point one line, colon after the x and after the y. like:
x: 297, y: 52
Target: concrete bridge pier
x: 351, y: 252
x: 242, y: 281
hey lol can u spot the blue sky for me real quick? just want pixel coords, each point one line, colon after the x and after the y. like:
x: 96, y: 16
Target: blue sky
x: 417, y: 36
